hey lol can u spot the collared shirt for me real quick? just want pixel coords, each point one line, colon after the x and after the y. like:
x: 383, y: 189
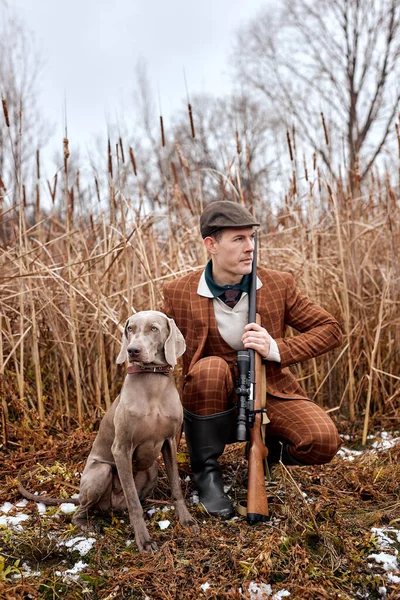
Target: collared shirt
x: 232, y: 321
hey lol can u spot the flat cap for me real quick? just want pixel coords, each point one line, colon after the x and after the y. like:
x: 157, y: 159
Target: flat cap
x: 224, y: 213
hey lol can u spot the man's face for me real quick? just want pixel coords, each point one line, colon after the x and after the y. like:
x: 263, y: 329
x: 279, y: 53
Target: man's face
x: 232, y: 254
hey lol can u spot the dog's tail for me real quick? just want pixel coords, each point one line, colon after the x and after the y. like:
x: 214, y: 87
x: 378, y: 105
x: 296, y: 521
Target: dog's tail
x: 47, y: 500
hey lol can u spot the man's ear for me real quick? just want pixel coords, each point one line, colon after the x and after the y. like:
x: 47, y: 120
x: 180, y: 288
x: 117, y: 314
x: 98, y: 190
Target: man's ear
x: 209, y: 243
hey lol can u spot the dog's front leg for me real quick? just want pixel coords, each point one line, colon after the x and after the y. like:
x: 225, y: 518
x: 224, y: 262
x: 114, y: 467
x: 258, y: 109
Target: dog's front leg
x: 123, y: 460
x: 169, y: 455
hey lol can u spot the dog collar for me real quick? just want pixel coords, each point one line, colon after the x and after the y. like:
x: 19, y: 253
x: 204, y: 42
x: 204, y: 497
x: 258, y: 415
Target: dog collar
x: 165, y: 369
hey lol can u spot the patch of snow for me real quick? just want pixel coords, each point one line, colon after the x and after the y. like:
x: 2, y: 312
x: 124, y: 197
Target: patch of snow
x: 7, y: 506
x: 164, y: 524
x: 167, y: 508
x: 382, y: 535
x: 80, y: 543
x: 41, y: 508
x: 14, y: 521
x: 68, y: 507
x: 194, y: 499
x: 348, y: 454
x: 22, y: 503
x: 388, y: 561
x: 259, y: 591
x: 26, y: 571
x: 386, y: 441
x: 72, y: 573
x: 151, y: 511
x: 205, y: 586
x: 280, y: 594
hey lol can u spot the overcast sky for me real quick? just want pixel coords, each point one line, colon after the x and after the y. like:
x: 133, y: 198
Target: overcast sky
x: 90, y: 48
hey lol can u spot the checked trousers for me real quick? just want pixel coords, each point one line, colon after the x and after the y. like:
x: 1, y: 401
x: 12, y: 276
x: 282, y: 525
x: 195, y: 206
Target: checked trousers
x: 209, y: 388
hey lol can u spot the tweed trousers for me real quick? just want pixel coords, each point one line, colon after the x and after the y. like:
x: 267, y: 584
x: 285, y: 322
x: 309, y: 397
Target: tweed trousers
x: 209, y: 388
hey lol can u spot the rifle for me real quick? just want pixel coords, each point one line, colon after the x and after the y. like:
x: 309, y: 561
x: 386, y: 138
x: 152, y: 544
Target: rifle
x: 250, y: 412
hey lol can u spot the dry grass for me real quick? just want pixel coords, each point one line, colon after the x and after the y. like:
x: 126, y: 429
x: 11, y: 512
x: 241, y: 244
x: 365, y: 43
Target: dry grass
x: 69, y: 277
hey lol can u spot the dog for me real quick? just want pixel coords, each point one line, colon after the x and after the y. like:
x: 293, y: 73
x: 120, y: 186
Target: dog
x: 143, y: 421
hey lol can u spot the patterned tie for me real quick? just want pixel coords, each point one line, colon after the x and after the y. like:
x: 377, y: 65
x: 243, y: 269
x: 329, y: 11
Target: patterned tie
x: 231, y: 297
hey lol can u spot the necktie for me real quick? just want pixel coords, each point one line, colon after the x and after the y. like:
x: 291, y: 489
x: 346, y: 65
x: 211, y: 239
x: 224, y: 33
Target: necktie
x: 231, y: 297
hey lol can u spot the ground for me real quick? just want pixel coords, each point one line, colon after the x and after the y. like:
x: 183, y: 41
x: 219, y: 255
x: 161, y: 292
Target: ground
x: 334, y: 531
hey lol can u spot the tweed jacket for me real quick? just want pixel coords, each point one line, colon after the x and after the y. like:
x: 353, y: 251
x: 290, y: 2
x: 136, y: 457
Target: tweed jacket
x: 279, y: 303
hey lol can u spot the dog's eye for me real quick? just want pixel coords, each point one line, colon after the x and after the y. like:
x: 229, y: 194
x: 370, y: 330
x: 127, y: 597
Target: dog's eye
x: 129, y: 328
x: 154, y: 328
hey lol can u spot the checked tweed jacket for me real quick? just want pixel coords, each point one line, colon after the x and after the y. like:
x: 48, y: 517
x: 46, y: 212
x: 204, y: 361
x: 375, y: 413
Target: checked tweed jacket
x: 279, y: 303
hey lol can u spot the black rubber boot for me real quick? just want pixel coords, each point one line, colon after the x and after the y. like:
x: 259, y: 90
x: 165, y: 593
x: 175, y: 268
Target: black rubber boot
x: 206, y: 438
x: 281, y: 452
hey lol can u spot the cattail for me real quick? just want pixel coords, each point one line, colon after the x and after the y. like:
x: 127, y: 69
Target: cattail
x: 38, y: 163
x: 37, y: 199
x: 191, y: 120
x: 238, y: 148
x: 162, y: 132
x: 96, y: 184
x: 2, y: 185
x: 289, y: 145
x: 24, y: 196
x: 325, y: 130
x: 174, y: 172
x: 71, y: 202
x: 133, y: 161
x: 5, y: 111
x: 122, y: 151
x: 315, y: 161
x: 66, y: 152
x: 110, y: 165
x: 305, y: 168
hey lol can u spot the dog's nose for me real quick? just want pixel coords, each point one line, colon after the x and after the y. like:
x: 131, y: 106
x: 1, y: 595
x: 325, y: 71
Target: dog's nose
x: 133, y: 351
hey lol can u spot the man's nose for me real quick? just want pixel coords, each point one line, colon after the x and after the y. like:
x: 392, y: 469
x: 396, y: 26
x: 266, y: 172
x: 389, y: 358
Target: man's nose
x: 250, y: 245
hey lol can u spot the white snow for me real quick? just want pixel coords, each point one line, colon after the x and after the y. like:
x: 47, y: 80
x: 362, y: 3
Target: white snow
x: 205, y: 586
x: 164, y: 524
x: 80, y: 543
x: 67, y: 508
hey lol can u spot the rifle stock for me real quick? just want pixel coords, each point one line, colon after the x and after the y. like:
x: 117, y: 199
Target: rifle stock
x: 257, y: 500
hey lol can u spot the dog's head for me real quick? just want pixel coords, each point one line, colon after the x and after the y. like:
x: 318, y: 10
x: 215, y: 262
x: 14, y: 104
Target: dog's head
x: 150, y: 337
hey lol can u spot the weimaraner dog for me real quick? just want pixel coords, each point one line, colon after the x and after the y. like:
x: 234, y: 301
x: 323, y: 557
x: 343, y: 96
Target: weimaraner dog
x: 143, y: 421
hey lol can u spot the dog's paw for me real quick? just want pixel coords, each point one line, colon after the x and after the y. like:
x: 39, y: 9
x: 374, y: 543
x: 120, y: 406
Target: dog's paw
x: 147, y: 546
x: 192, y: 524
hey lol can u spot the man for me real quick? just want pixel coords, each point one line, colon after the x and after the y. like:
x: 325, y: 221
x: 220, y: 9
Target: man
x: 211, y: 310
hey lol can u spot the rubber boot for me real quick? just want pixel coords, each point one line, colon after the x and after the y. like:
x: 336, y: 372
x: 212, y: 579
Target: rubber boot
x: 206, y: 438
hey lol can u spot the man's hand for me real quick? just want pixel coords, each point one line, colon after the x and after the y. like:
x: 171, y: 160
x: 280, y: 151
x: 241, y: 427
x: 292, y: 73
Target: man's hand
x: 257, y: 338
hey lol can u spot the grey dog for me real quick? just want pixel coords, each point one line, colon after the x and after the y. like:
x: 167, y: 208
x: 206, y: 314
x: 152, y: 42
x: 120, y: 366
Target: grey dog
x: 143, y: 421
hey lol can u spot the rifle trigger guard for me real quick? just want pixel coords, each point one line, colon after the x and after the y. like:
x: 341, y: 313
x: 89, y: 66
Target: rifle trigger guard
x: 264, y: 417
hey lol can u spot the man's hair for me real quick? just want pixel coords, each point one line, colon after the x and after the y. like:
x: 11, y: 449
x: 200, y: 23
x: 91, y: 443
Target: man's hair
x: 218, y: 233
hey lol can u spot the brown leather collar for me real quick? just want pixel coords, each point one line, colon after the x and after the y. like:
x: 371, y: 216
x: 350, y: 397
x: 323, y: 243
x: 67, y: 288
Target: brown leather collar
x: 164, y: 370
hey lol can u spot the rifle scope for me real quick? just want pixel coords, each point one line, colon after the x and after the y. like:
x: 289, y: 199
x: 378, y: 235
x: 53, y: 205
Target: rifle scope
x: 243, y: 392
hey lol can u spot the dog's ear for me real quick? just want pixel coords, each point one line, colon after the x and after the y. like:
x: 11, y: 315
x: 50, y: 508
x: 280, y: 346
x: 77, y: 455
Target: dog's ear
x: 123, y: 353
x: 175, y: 345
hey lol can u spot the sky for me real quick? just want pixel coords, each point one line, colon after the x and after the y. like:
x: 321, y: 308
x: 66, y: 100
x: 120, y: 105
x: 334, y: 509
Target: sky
x: 90, y: 48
